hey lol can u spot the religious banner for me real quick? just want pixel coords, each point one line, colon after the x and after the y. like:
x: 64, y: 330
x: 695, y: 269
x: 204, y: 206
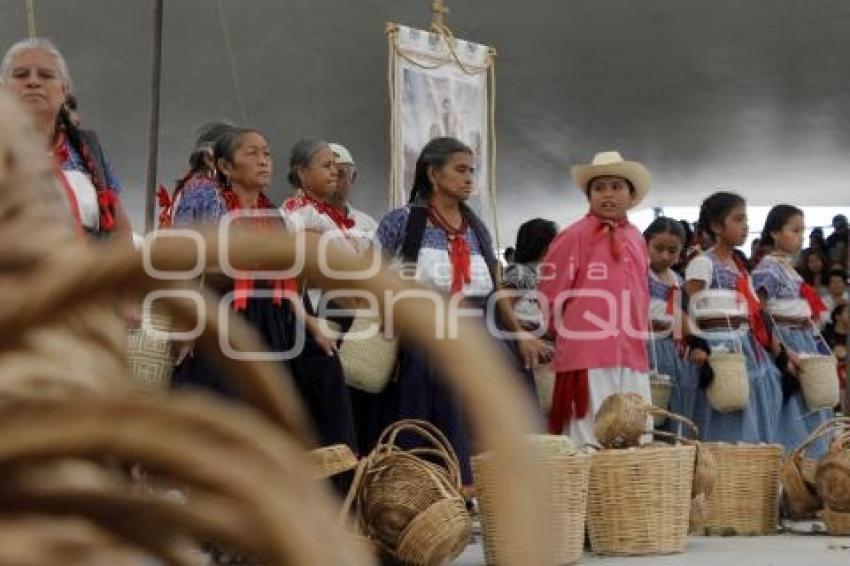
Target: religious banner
x: 441, y: 86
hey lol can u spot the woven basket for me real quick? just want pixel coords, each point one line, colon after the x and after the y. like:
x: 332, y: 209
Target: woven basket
x: 745, y: 496
x: 567, y: 477
x: 544, y: 379
x: 661, y: 388
x: 149, y: 353
x: 833, y: 474
x: 837, y: 523
x: 621, y: 420
x: 332, y: 460
x: 798, y: 473
x: 819, y: 382
x: 639, y: 500
x: 411, y: 507
x: 436, y: 535
x: 369, y: 362
x: 730, y: 388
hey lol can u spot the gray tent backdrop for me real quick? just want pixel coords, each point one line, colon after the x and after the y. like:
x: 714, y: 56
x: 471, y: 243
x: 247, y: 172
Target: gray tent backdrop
x: 708, y: 93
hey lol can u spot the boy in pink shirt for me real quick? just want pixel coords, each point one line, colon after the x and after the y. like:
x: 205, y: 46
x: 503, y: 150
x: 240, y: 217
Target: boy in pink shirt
x: 594, y: 280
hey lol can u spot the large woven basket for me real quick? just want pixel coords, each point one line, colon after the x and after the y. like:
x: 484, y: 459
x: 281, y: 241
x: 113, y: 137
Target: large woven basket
x: 544, y: 379
x: 149, y: 353
x: 730, y: 388
x: 410, y: 506
x: 745, y: 498
x: 640, y: 499
x: 819, y: 382
x: 368, y: 362
x: 567, y: 477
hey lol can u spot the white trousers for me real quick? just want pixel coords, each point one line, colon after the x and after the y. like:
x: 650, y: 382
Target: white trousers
x: 601, y: 384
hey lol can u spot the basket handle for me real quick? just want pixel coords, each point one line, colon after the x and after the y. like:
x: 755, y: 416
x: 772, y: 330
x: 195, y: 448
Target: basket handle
x: 837, y: 423
x: 670, y: 436
x: 841, y: 441
x: 653, y: 411
x: 426, y: 431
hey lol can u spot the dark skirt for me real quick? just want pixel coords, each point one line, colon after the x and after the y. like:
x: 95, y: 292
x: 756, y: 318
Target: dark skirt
x: 318, y: 377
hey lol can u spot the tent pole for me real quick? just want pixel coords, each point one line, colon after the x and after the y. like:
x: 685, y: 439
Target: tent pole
x: 153, y: 133
x: 439, y: 10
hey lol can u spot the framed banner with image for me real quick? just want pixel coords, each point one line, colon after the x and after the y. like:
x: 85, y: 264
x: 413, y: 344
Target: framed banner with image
x: 441, y: 86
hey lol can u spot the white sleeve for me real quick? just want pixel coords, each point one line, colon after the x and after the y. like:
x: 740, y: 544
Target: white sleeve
x: 699, y: 269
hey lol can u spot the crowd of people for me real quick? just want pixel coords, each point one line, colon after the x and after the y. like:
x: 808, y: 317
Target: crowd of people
x: 601, y: 304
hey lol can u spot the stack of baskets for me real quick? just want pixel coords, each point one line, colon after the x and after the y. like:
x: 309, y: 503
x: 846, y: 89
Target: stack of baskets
x: 639, y: 498
x: 408, y: 501
x: 567, y: 473
x: 821, y: 485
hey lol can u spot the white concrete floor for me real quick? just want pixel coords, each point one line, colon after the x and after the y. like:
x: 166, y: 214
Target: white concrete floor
x: 779, y: 550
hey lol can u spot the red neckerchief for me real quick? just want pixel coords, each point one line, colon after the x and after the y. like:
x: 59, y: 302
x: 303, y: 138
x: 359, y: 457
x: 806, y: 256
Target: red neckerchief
x: 569, y: 399
x: 107, y: 198
x: 242, y: 287
x: 166, y: 204
x: 744, y: 289
x: 340, y: 218
x: 60, y: 155
x: 611, y: 226
x: 459, y: 252
x: 816, y: 304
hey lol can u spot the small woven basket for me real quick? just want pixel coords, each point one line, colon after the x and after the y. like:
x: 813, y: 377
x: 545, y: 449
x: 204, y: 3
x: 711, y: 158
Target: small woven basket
x: 819, y: 382
x: 149, y: 354
x: 544, y: 379
x: 730, y: 388
x: 746, y: 494
x: 368, y: 362
x: 332, y: 460
x: 640, y: 500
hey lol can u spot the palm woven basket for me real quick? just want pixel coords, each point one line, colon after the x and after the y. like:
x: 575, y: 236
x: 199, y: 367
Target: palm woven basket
x: 799, y: 488
x: 730, y: 388
x: 567, y: 476
x: 368, y: 361
x: 819, y: 382
x: 640, y: 500
x: 409, y: 505
x: 149, y: 354
x: 745, y: 497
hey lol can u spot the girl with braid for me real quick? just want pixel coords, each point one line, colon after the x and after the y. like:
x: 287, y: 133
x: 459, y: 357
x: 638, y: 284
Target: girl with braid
x: 35, y: 71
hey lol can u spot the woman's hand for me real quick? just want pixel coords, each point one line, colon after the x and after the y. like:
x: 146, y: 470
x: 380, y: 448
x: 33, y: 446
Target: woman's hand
x: 698, y: 356
x: 324, y: 336
x: 532, y: 351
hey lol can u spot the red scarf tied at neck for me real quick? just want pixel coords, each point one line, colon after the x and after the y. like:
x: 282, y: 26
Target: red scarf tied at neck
x: 459, y: 252
x: 243, y: 286
x: 612, y: 227
x: 341, y: 219
x: 745, y: 291
x: 816, y: 304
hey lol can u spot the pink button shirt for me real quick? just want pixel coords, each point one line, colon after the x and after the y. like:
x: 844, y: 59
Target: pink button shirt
x: 603, y: 299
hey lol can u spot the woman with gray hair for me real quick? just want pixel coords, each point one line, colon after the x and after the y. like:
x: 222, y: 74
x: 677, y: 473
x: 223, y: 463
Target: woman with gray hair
x: 36, y: 73
x: 313, y: 173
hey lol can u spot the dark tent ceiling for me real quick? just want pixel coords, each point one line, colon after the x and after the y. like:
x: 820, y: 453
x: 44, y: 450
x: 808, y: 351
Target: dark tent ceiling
x: 708, y: 93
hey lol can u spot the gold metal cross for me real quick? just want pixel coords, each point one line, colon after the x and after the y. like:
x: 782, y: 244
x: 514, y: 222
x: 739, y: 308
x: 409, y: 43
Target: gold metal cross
x: 439, y: 9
